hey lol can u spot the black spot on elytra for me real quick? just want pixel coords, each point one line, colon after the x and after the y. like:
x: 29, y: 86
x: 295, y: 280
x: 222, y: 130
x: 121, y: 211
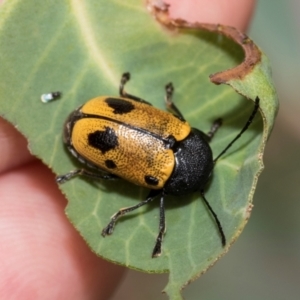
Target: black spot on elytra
x: 110, y: 164
x: 103, y: 140
x: 151, y: 180
x: 120, y: 106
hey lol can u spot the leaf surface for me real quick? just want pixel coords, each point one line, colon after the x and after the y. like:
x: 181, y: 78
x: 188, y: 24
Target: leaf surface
x: 81, y: 48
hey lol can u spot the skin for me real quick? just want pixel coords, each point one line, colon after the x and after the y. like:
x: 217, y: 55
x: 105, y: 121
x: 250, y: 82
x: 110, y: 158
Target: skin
x: 235, y: 13
x: 42, y: 256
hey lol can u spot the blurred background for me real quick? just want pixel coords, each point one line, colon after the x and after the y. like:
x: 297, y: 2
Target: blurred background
x: 264, y: 263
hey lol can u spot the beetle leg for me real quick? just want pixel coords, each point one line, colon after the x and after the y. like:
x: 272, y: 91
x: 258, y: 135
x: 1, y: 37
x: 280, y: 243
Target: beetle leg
x: 108, y: 230
x: 214, y: 128
x: 169, y: 102
x: 82, y: 172
x: 162, y: 229
x: 124, y: 79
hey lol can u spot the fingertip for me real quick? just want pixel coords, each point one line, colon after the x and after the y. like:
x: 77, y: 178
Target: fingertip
x: 234, y: 13
x: 13, y: 151
x: 41, y: 251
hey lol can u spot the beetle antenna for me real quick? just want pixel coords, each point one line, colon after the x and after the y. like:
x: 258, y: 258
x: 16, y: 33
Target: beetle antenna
x: 256, y: 106
x: 223, y: 238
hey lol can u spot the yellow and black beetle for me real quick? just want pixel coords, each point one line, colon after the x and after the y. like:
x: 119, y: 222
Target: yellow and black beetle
x: 127, y: 137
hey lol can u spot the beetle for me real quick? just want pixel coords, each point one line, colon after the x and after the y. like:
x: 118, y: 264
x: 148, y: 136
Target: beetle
x: 126, y: 137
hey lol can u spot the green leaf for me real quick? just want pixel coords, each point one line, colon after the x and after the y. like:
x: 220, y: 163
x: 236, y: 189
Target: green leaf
x: 81, y: 48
